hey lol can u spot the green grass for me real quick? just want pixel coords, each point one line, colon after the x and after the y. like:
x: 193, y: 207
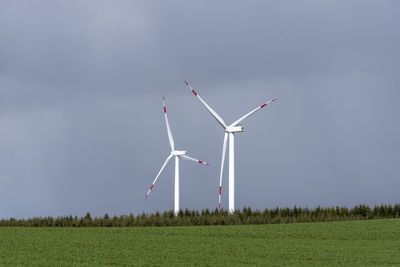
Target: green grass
x: 351, y: 243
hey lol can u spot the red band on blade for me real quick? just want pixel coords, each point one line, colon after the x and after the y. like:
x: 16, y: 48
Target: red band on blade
x: 165, y: 110
x: 194, y: 92
x: 220, y: 190
x: 146, y: 197
x: 274, y: 99
x: 151, y: 187
x: 200, y: 161
x: 186, y: 83
x: 263, y: 105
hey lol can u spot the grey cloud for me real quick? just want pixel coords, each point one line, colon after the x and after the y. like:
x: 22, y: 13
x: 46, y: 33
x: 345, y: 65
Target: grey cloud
x: 81, y: 118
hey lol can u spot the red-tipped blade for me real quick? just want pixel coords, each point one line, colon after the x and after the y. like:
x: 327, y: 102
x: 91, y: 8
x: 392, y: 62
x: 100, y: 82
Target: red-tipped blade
x: 222, y: 167
x: 251, y: 112
x: 213, y: 113
x: 170, y: 138
x: 158, y: 174
x: 193, y: 159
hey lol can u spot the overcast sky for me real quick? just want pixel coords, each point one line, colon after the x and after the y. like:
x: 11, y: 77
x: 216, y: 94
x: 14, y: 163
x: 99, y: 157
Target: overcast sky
x: 81, y: 86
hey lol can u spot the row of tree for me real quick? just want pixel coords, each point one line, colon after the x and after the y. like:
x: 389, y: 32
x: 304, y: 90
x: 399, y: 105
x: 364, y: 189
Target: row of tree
x: 215, y: 217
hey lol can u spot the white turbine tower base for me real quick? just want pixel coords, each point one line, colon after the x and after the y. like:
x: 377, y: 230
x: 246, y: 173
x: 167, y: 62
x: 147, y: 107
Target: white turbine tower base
x: 178, y: 154
x: 231, y: 172
x: 176, y: 199
x: 230, y: 130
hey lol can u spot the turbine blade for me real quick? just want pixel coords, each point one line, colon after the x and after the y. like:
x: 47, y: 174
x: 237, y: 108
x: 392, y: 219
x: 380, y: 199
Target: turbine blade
x: 222, y: 169
x: 162, y: 168
x: 192, y: 159
x: 215, y: 115
x: 171, y: 139
x: 251, y: 112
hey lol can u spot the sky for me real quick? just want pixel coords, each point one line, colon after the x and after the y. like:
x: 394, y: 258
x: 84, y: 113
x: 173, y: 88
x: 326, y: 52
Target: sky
x: 81, y: 119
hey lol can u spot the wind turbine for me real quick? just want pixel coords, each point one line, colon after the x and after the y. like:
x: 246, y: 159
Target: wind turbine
x: 230, y: 130
x: 177, y: 154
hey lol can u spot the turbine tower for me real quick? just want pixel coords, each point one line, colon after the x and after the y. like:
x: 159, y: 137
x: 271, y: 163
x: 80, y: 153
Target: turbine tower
x: 177, y: 154
x: 230, y: 130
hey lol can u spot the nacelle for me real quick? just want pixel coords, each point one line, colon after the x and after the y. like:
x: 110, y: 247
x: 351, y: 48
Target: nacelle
x: 178, y: 152
x: 234, y: 129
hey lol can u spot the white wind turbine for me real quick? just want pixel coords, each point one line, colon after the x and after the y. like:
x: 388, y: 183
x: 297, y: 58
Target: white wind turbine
x: 229, y: 131
x: 178, y: 154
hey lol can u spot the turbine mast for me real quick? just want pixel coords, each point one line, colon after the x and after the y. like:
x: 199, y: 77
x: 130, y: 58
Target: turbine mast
x: 176, y: 185
x: 231, y: 173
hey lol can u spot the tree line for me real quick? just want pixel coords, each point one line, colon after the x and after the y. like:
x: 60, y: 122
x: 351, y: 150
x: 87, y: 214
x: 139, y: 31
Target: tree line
x: 215, y: 217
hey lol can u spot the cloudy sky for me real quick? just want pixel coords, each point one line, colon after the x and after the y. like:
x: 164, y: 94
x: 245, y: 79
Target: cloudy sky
x: 81, y: 86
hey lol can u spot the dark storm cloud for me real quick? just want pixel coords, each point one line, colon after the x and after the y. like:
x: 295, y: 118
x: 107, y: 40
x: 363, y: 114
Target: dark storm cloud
x: 80, y: 103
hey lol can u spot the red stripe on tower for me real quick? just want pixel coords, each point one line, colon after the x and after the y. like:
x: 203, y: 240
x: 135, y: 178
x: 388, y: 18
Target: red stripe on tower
x: 219, y: 206
x: 263, y: 105
x: 165, y: 110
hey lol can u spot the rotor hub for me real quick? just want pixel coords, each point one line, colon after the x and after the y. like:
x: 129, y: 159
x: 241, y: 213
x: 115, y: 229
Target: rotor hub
x: 234, y: 129
x: 178, y: 152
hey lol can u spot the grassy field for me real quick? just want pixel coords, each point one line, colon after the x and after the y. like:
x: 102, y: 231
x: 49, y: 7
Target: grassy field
x: 351, y: 243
